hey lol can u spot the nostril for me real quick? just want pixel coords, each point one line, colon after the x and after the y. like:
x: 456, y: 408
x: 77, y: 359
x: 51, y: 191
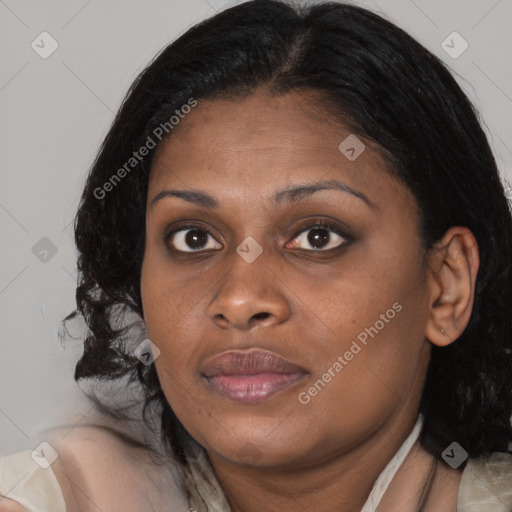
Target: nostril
x: 261, y: 316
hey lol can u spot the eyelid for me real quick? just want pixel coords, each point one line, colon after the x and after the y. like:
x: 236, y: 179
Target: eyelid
x: 325, y: 223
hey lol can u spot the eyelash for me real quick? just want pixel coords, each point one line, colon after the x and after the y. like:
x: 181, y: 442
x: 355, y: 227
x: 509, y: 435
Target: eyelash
x: 321, y: 223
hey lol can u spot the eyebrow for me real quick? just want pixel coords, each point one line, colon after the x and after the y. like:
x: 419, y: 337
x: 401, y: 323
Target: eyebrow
x: 292, y: 194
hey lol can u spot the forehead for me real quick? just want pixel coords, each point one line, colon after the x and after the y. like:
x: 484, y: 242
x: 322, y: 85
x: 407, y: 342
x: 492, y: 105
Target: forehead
x: 250, y: 144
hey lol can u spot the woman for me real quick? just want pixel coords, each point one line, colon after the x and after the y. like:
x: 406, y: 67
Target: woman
x: 301, y: 206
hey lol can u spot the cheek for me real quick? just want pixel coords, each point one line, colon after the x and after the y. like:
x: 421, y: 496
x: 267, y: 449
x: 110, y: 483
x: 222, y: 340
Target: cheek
x: 168, y: 297
x: 365, y: 375
x: 166, y: 319
x: 378, y: 355
x: 373, y: 315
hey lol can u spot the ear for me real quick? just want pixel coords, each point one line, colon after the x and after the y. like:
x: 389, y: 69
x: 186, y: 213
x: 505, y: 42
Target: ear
x: 453, y: 263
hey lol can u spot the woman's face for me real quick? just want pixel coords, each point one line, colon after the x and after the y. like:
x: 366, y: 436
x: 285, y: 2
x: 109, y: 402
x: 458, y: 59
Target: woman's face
x: 329, y: 277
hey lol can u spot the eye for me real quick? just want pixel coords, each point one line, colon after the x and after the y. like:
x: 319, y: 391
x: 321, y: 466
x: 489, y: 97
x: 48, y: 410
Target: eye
x: 191, y: 239
x: 320, y: 237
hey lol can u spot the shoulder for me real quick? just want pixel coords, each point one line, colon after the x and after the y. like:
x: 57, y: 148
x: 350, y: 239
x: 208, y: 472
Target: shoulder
x: 28, y: 484
x: 487, y: 481
x: 96, y: 469
x: 99, y: 469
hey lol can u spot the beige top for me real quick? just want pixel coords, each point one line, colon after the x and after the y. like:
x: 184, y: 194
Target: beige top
x: 24, y: 481
x: 486, y: 484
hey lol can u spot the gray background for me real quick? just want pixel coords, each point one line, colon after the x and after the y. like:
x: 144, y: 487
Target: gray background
x: 55, y: 112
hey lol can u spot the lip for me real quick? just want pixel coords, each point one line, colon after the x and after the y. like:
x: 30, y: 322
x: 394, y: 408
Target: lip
x: 250, y: 376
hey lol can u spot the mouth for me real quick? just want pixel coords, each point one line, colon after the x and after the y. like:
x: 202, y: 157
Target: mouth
x: 251, y: 376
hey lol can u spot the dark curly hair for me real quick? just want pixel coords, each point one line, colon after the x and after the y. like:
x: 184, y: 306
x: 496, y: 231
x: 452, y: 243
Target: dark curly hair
x: 385, y: 87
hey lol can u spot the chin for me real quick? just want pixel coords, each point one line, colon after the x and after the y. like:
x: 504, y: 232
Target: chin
x: 258, y: 443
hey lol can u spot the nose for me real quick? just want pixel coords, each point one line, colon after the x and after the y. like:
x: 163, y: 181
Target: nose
x: 250, y: 295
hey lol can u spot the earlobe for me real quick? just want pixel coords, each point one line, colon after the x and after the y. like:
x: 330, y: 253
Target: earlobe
x: 454, y: 266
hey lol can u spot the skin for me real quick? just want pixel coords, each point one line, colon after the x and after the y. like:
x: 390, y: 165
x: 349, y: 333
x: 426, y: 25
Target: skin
x: 302, y: 303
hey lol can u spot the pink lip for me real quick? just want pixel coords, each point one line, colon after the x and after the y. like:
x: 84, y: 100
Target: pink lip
x: 251, y: 376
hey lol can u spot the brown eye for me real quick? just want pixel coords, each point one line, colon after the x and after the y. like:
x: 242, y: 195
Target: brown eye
x: 192, y: 239
x: 318, y: 238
